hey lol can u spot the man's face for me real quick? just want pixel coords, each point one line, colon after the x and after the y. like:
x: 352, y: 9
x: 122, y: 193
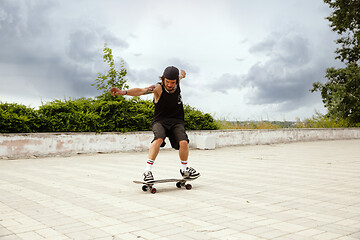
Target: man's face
x: 170, y: 85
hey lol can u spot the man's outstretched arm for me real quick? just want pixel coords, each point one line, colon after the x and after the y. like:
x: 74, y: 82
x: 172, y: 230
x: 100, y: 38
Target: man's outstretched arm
x: 132, y: 92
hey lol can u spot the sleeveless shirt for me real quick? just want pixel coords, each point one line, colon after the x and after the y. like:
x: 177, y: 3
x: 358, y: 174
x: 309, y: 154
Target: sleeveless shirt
x: 169, y: 108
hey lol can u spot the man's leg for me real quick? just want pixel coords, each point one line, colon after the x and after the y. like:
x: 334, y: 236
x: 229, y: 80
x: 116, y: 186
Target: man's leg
x: 159, y: 135
x: 180, y: 134
x: 153, y: 152
x: 155, y: 148
x: 186, y: 172
x: 183, y: 153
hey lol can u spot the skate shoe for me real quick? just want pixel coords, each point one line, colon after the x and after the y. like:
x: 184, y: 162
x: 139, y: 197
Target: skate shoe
x: 189, y: 173
x: 148, y: 176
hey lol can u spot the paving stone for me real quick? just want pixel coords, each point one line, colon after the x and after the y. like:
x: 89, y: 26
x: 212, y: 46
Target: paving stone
x: 303, y: 190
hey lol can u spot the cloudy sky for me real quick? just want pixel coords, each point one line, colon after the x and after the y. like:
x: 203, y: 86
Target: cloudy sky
x: 245, y: 60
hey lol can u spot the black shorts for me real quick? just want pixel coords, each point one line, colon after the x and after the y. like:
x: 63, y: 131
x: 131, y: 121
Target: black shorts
x: 174, y: 131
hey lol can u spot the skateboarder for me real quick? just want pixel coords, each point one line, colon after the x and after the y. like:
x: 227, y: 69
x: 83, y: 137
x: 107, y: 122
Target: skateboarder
x: 168, y: 119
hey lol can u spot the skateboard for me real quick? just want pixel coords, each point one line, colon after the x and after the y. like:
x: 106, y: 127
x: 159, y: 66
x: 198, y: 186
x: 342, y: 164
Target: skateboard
x: 179, y: 183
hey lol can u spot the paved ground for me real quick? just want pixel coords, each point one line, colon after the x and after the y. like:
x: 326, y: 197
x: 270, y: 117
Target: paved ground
x: 307, y: 190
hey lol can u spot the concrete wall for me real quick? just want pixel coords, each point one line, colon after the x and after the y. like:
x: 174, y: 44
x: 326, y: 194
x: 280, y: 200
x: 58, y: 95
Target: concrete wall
x: 43, y: 144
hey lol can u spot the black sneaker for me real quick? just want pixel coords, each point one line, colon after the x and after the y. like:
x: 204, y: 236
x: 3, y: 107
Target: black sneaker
x: 148, y: 176
x: 189, y: 173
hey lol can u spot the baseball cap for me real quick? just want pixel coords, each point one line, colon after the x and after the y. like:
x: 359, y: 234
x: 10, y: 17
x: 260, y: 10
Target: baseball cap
x: 171, y: 73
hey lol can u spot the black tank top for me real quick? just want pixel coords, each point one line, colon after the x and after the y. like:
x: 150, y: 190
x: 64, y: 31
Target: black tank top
x: 169, y: 108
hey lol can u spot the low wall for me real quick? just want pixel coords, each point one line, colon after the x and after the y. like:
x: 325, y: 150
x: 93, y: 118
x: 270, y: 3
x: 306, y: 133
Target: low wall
x: 44, y: 144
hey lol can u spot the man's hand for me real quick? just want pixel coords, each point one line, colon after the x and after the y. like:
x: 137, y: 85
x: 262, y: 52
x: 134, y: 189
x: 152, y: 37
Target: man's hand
x: 182, y: 74
x: 115, y: 90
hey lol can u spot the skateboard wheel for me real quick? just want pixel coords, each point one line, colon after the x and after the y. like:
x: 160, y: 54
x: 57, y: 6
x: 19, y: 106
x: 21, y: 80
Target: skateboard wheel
x: 144, y: 188
x: 178, y: 184
x: 188, y: 186
x: 153, y: 190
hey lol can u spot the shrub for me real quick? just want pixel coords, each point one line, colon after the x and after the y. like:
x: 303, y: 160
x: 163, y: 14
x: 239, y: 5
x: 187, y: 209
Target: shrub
x: 91, y: 115
x: 196, y: 120
x: 17, y: 118
x: 68, y: 116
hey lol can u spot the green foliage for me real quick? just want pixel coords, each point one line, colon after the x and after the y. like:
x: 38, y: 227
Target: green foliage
x: 196, y: 120
x: 345, y: 21
x: 16, y: 118
x: 341, y: 94
x: 114, y: 77
x: 69, y: 116
x: 91, y: 115
x: 88, y: 115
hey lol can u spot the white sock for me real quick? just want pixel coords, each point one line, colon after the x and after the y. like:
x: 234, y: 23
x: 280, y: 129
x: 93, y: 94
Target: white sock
x: 149, y: 165
x: 183, y: 165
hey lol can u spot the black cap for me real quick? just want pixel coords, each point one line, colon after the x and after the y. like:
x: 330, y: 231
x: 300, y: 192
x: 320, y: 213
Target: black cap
x: 171, y: 73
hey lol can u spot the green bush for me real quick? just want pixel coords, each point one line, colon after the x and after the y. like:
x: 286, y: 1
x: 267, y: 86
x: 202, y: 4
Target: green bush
x: 88, y: 115
x: 68, y: 116
x: 91, y: 115
x: 196, y: 120
x: 15, y: 118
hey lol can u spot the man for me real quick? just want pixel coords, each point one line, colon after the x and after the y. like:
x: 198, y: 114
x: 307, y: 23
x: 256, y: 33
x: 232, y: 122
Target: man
x: 168, y: 119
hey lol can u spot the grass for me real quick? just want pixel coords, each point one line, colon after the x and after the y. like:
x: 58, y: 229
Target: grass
x: 224, y: 124
x: 317, y: 121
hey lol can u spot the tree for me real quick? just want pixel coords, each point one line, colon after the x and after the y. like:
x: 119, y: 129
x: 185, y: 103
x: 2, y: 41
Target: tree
x: 341, y: 94
x: 345, y: 21
x: 113, y: 78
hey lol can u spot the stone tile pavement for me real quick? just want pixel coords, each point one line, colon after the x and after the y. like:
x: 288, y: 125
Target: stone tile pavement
x: 304, y: 190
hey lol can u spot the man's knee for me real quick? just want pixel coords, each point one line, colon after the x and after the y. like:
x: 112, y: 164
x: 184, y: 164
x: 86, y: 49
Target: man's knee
x: 158, y: 141
x: 183, y: 144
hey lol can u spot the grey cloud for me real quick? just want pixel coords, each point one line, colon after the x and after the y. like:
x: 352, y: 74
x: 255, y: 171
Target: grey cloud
x: 21, y: 19
x: 85, y: 44
x: 51, y: 80
x: 284, y: 78
x: 286, y: 49
x: 62, y: 63
x: 144, y: 76
x: 279, y: 87
x: 265, y: 46
x: 227, y: 82
x: 22, y: 26
x: 111, y: 39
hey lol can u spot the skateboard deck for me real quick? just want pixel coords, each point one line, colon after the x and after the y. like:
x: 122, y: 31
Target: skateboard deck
x: 179, y: 183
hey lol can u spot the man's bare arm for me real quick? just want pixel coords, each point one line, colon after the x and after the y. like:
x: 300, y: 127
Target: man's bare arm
x: 137, y: 92
x: 150, y: 89
x: 133, y: 92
